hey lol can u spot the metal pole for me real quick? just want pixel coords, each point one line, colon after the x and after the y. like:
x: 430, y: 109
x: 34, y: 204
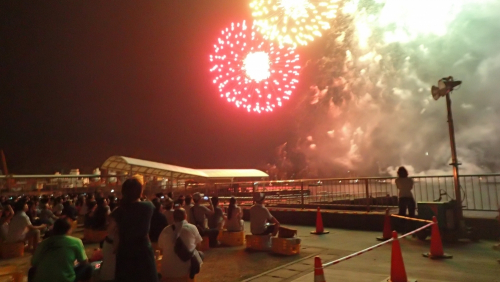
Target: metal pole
x: 367, y: 192
x: 302, y: 194
x: 454, y: 161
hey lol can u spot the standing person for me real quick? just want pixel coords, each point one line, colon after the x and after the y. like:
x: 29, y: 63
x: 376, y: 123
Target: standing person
x: 405, y: 185
x: 135, y: 259
x: 171, y: 264
x: 260, y: 217
x: 55, y: 259
x: 234, y: 217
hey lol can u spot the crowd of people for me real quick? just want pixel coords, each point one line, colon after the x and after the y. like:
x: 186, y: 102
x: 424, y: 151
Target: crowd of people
x: 133, y: 224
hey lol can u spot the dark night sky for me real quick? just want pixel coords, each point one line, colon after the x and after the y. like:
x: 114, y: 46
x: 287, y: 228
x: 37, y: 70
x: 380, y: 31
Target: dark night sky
x: 83, y: 80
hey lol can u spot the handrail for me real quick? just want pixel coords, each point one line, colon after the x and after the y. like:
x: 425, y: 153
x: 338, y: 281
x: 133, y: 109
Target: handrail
x: 350, y: 178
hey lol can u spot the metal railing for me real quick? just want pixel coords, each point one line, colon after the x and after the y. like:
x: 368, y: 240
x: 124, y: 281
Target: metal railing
x: 479, y: 192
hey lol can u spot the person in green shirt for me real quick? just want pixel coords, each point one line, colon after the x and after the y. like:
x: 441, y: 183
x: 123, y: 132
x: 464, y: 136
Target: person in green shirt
x: 54, y: 259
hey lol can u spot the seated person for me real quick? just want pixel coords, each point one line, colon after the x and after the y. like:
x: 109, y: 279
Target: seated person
x: 20, y: 227
x: 55, y: 259
x: 169, y: 211
x: 69, y: 210
x: 46, y: 215
x: 216, y: 220
x: 158, y: 221
x: 260, y: 217
x: 58, y: 206
x: 33, y: 213
x: 200, y: 215
x: 171, y: 265
x: 99, y: 215
x: 234, y: 221
x: 89, y: 219
x: 7, y: 214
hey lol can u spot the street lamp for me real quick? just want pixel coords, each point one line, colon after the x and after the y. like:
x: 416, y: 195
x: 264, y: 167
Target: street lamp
x: 445, y: 87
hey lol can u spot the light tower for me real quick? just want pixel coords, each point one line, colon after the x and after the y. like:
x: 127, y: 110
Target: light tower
x: 445, y: 87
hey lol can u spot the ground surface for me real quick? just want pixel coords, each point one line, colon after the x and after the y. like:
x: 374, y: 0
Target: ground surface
x: 471, y: 262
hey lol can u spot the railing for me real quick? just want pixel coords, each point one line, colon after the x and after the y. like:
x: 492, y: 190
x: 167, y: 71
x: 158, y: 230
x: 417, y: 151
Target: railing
x: 479, y: 192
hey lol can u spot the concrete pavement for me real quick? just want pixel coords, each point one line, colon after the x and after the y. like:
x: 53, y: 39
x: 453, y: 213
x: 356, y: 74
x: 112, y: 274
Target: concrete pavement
x: 471, y: 261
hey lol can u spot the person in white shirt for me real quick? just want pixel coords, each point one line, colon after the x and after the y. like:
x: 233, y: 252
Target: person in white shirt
x: 20, y: 227
x: 171, y: 265
x: 260, y: 217
x: 405, y: 185
x: 234, y: 221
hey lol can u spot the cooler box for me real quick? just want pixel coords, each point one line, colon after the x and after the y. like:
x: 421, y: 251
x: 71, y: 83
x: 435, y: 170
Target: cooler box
x: 444, y: 213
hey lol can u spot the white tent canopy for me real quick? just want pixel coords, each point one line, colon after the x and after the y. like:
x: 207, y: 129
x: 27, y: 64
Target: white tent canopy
x: 137, y: 166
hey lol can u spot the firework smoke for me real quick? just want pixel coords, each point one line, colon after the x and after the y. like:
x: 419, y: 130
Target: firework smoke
x: 369, y: 108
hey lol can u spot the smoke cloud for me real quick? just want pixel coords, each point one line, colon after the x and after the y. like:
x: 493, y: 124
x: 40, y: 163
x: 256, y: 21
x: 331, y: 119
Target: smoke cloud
x: 369, y: 108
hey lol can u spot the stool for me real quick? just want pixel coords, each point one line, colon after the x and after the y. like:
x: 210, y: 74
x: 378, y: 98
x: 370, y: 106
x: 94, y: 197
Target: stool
x: 204, y: 245
x: 258, y: 242
x: 12, y: 250
x: 286, y: 246
x: 232, y: 238
x: 94, y: 236
x: 11, y: 271
x: 180, y: 279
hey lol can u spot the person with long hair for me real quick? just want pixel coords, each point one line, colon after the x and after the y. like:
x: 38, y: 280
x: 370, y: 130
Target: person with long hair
x: 405, y: 185
x: 234, y: 217
x: 130, y: 223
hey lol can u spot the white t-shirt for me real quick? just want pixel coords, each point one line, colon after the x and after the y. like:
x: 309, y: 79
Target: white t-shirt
x: 259, y: 216
x: 171, y: 265
x: 404, y: 185
x: 18, y: 227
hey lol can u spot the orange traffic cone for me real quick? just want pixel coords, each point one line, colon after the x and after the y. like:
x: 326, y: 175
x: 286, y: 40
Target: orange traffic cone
x: 436, y: 245
x: 319, y: 276
x: 319, y: 225
x: 386, y: 234
x: 398, y: 272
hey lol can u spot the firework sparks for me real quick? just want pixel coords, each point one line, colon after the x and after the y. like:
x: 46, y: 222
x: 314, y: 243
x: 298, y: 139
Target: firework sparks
x: 251, y: 72
x: 294, y: 22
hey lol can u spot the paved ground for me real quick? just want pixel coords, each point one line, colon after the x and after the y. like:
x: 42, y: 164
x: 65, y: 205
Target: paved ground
x: 471, y: 261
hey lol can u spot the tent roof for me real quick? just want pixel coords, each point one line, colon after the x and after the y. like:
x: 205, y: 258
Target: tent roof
x: 126, y: 164
x: 233, y: 173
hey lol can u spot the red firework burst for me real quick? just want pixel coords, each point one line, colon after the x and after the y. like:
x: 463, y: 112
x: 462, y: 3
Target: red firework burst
x: 251, y: 72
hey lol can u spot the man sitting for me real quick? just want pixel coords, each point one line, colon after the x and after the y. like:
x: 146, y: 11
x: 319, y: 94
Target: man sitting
x: 171, y: 265
x: 260, y: 217
x: 55, y: 259
x: 20, y: 227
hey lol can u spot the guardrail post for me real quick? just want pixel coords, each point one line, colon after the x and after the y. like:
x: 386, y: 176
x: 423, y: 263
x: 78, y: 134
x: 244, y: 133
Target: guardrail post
x: 302, y: 194
x: 367, y: 196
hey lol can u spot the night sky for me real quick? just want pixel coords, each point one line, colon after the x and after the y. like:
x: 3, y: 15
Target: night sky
x: 84, y: 80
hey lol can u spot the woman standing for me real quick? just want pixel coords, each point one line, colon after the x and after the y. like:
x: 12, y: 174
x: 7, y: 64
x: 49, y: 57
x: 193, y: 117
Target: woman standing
x: 405, y: 185
x: 131, y: 220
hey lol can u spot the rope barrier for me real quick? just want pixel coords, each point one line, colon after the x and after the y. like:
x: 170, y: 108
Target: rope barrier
x: 375, y: 246
x: 411, y: 218
x: 357, y: 253
x: 416, y: 230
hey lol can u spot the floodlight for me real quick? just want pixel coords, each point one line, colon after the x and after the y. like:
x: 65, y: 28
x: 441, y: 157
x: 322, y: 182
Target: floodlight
x: 445, y: 86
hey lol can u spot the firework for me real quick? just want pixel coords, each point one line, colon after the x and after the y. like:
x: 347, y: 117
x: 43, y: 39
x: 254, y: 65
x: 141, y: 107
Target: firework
x: 253, y: 73
x: 294, y: 22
